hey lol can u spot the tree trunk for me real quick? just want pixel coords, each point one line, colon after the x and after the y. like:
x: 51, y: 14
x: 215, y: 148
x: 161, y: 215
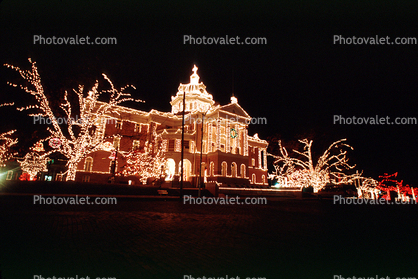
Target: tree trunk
x: 72, y: 170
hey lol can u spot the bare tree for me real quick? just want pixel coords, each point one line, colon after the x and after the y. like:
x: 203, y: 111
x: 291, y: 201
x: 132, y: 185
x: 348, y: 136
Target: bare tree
x: 6, y: 141
x: 147, y: 162
x: 331, y: 166
x: 33, y: 163
x: 74, y: 137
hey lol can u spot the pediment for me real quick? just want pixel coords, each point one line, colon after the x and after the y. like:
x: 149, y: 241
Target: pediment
x: 234, y: 109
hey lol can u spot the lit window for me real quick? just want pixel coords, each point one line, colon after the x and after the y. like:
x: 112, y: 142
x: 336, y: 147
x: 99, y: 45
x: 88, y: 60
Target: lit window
x: 224, y: 170
x: 186, y: 145
x: 234, y: 170
x: 171, y: 144
x: 88, y: 164
x: 135, y: 144
x: 242, y: 170
x: 118, y: 124
x: 9, y: 175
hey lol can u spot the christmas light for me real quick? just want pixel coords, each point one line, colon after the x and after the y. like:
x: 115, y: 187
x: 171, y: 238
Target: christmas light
x: 165, y: 145
x: 218, y: 134
x: 147, y: 163
x: 39, y: 147
x: 245, y: 141
x: 197, y: 98
x: 88, y: 136
x: 32, y: 164
x: 107, y: 146
x: 7, y: 104
x: 5, y: 143
x: 366, y: 187
x: 177, y: 147
x: 329, y: 167
x: 389, y: 183
x: 228, y: 138
x: 55, y: 142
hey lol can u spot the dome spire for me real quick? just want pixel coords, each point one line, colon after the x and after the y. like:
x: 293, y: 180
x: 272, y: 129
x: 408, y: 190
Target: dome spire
x: 197, y: 98
x: 234, y: 99
x: 194, y: 78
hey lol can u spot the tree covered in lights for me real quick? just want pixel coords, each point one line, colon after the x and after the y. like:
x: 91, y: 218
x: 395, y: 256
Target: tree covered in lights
x: 146, y: 162
x: 6, y: 142
x: 301, y: 170
x: 366, y: 187
x: 370, y: 188
x: 32, y: 164
x: 78, y: 135
x: 389, y: 183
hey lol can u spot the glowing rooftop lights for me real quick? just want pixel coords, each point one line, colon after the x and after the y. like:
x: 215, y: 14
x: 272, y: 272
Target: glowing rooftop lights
x: 194, y: 78
x: 197, y: 98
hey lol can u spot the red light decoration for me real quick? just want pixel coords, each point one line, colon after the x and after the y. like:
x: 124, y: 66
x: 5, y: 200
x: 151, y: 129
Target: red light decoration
x: 55, y: 143
x: 389, y: 183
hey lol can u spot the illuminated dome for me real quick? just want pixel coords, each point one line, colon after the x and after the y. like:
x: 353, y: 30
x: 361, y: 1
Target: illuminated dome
x: 197, y: 98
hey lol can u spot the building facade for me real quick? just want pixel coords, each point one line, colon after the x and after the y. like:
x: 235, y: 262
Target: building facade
x: 215, y: 138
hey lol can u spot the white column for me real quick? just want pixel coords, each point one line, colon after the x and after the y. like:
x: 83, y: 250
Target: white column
x: 227, y: 136
x: 218, y: 134
x: 265, y: 158
x: 245, y: 139
x: 259, y: 158
x: 209, y: 135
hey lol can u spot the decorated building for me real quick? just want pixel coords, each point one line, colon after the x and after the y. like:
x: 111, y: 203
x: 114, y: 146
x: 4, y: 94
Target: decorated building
x: 215, y: 137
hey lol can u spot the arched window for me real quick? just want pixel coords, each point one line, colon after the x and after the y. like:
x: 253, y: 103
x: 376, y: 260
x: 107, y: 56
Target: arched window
x: 234, y: 169
x: 88, y: 164
x: 212, y: 169
x: 224, y: 171
x: 242, y: 170
x: 253, y: 179
x: 187, y: 169
x: 170, y: 169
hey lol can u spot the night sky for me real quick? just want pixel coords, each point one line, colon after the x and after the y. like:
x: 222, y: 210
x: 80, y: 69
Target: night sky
x: 298, y: 81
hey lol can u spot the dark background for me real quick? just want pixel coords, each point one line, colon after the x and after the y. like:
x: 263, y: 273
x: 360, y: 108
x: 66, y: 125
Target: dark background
x: 298, y: 81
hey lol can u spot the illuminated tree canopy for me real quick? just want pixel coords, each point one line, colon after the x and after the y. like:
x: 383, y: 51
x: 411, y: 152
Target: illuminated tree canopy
x: 6, y: 141
x: 32, y: 164
x: 302, y: 171
x: 79, y: 137
x: 146, y: 163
